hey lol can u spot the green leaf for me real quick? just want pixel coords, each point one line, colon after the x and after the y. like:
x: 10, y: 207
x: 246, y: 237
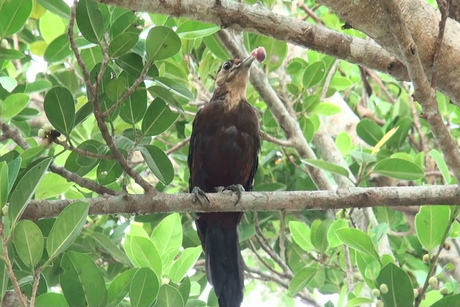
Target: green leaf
x: 108, y: 171
x: 327, y: 109
x: 119, y: 287
x: 359, y: 301
x: 159, y: 163
x: 369, y: 131
x: 300, y: 234
x: 158, y: 118
x: 162, y: 43
x: 58, y: 7
x: 131, y: 63
x: 4, y: 181
x: 30, y: 154
x: 13, y: 171
x: 28, y: 241
x: 51, y: 299
x: 110, y: 247
x: 59, y: 107
x: 400, y: 137
x: 82, y: 281
x: 144, y: 288
x: 25, y: 188
x: 214, y: 45
x: 184, y: 263
x: 58, y: 49
x: 450, y: 300
x: 82, y: 164
x: 301, y: 279
x: 168, y: 296
x: 276, y: 51
x: 168, y: 234
x: 343, y: 143
x: 133, y: 109
x: 10, y: 54
x: 51, y: 27
x: 431, y: 224
x: 143, y: 254
x: 52, y: 185
x: 314, y: 74
x: 13, y: 105
x: 121, y: 44
x: 319, y: 234
x: 90, y: 21
x: 191, y: 29
x: 399, y: 169
x: 332, y: 238
x: 166, y: 95
x: 441, y: 163
x: 66, y: 228
x: 326, y: 166
x: 178, y: 89
x: 400, y: 289
x: 14, y: 16
x: 357, y: 240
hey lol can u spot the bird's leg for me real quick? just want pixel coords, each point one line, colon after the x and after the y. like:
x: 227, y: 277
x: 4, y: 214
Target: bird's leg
x: 238, y: 189
x: 200, y: 196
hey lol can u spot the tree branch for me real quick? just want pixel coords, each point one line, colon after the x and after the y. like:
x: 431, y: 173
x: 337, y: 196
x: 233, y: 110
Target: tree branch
x: 258, y: 201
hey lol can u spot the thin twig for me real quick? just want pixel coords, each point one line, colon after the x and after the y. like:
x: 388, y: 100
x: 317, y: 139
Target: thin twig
x: 178, y: 146
x: 83, y: 152
x: 310, y: 13
x: 35, y: 286
x: 9, y: 268
x: 272, y: 139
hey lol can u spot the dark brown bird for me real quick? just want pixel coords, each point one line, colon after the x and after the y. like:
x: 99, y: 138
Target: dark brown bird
x: 223, y: 152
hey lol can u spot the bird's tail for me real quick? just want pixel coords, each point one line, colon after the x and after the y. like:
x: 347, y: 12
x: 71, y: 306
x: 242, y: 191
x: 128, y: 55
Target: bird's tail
x: 224, y: 264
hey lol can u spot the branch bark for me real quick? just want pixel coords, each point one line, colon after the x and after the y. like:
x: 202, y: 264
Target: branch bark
x: 260, y: 201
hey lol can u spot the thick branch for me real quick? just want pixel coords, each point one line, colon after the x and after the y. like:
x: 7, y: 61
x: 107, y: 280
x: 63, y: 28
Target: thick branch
x: 259, y: 201
x: 260, y: 20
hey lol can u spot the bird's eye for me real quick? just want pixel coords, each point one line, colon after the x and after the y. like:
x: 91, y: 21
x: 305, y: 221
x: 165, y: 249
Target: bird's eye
x: 227, y: 65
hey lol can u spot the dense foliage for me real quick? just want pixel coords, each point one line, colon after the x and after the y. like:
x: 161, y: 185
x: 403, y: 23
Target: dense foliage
x: 148, y: 74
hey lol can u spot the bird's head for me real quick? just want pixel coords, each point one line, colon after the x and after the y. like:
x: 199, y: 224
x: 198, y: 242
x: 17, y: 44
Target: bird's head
x: 232, y: 79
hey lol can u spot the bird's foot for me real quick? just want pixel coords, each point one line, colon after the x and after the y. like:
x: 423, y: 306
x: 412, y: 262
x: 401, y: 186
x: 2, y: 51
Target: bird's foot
x: 200, y: 196
x: 237, y: 188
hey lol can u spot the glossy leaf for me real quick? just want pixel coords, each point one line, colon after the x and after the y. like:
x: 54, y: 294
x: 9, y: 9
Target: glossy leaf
x: 184, y: 263
x: 58, y: 50
x: 119, y: 287
x: 28, y: 241
x: 168, y: 296
x: 162, y: 43
x: 400, y: 289
x: 10, y: 54
x: 431, y: 224
x: 13, y: 105
x: 52, y: 185
x: 143, y: 254
x: 332, y: 238
x: 314, y: 73
x: 369, y: 131
x: 82, y: 281
x: 301, y: 279
x: 14, y: 16
x: 450, y: 300
x: 59, y: 107
x: 318, y: 234
x: 133, y: 109
x: 25, y: 188
x: 158, y: 118
x: 159, y: 163
x: 301, y: 235
x: 326, y: 166
x: 357, y: 240
x: 191, y: 29
x: 89, y: 20
x: 110, y: 247
x: 51, y: 299
x: 144, y: 288
x: 4, y: 181
x: 58, y: 7
x: 122, y: 44
x: 441, y: 163
x: 108, y: 171
x: 399, y: 169
x: 66, y: 228
x: 213, y: 43
x: 168, y: 234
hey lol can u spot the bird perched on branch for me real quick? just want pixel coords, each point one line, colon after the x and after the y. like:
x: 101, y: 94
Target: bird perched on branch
x: 223, y: 152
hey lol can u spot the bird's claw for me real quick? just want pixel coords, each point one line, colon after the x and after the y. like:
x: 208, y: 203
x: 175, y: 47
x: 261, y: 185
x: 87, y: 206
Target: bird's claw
x: 237, y: 188
x: 200, y: 196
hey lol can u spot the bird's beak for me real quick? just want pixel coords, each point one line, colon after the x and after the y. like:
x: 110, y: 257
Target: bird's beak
x: 245, y: 64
